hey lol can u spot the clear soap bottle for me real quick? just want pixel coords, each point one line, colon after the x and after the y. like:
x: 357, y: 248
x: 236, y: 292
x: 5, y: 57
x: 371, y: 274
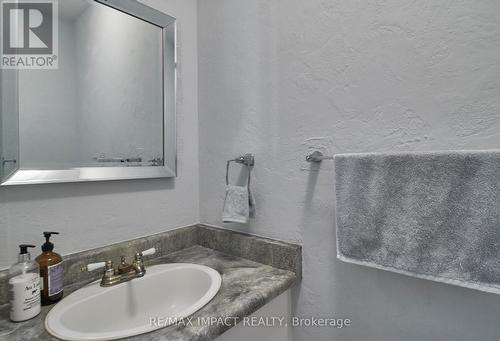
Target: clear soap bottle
x: 24, y: 287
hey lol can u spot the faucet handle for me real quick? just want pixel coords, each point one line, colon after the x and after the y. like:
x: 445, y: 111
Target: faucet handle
x: 138, y: 259
x: 148, y: 252
x: 93, y: 266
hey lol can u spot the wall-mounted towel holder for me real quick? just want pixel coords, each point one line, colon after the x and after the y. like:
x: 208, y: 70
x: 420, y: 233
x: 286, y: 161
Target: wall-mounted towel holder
x: 317, y: 156
x: 246, y: 160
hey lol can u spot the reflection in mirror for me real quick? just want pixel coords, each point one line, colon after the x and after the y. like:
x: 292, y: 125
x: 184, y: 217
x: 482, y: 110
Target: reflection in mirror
x: 110, y: 103
x: 9, y: 144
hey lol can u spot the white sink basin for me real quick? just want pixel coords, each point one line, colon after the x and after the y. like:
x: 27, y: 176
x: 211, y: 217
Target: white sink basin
x: 166, y: 292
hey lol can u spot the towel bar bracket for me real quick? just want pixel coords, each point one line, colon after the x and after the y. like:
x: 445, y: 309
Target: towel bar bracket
x: 317, y: 156
x: 246, y: 160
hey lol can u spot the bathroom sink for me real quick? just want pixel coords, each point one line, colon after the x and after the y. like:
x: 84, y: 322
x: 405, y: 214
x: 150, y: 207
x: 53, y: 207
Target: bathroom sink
x: 167, y: 292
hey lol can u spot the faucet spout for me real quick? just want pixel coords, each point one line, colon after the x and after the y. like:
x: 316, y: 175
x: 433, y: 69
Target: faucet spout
x: 124, y: 272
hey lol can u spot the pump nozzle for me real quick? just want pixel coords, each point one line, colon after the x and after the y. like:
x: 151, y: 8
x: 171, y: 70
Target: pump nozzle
x: 24, y: 255
x: 48, y: 246
x: 24, y: 248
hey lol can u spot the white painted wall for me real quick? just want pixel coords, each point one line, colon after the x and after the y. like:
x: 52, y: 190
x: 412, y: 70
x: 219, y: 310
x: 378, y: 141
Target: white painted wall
x: 372, y: 76
x: 95, y: 214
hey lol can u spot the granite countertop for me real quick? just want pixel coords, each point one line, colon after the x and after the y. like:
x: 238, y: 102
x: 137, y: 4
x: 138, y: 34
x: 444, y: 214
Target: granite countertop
x: 246, y: 286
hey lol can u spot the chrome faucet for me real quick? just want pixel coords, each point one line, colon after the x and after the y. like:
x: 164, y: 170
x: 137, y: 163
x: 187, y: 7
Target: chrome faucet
x: 124, y: 272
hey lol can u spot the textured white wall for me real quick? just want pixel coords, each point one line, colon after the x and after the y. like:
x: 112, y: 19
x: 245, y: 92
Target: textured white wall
x: 95, y: 214
x: 370, y: 76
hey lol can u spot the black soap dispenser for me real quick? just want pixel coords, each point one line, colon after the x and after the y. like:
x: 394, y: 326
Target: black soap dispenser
x: 51, y: 272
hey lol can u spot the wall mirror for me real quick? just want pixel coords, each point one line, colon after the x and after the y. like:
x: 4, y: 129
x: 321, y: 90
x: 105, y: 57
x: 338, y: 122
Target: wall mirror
x: 107, y: 112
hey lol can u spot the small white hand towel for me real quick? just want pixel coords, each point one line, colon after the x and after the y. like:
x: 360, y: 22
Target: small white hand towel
x: 236, y: 205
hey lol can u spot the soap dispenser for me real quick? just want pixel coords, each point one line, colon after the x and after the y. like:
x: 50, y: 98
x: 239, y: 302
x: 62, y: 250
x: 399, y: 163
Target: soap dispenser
x: 51, y: 272
x: 24, y: 287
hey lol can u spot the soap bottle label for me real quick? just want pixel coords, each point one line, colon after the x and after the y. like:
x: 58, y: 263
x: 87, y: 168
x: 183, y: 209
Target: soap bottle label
x: 55, y: 278
x: 24, y: 296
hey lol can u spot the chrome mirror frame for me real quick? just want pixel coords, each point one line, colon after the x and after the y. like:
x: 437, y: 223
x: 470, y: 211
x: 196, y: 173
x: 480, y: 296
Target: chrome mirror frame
x: 82, y: 174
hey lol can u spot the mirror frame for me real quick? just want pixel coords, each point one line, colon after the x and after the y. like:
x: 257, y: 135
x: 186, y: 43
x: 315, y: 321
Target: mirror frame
x: 167, y: 23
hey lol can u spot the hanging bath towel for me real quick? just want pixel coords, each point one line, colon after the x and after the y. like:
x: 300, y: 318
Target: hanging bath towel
x: 432, y: 215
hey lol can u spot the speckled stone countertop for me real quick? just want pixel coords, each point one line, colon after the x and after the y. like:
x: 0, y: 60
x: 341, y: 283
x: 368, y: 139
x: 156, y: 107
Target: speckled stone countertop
x: 246, y: 286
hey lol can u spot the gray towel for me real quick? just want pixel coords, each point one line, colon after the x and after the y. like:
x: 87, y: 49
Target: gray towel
x: 432, y: 215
